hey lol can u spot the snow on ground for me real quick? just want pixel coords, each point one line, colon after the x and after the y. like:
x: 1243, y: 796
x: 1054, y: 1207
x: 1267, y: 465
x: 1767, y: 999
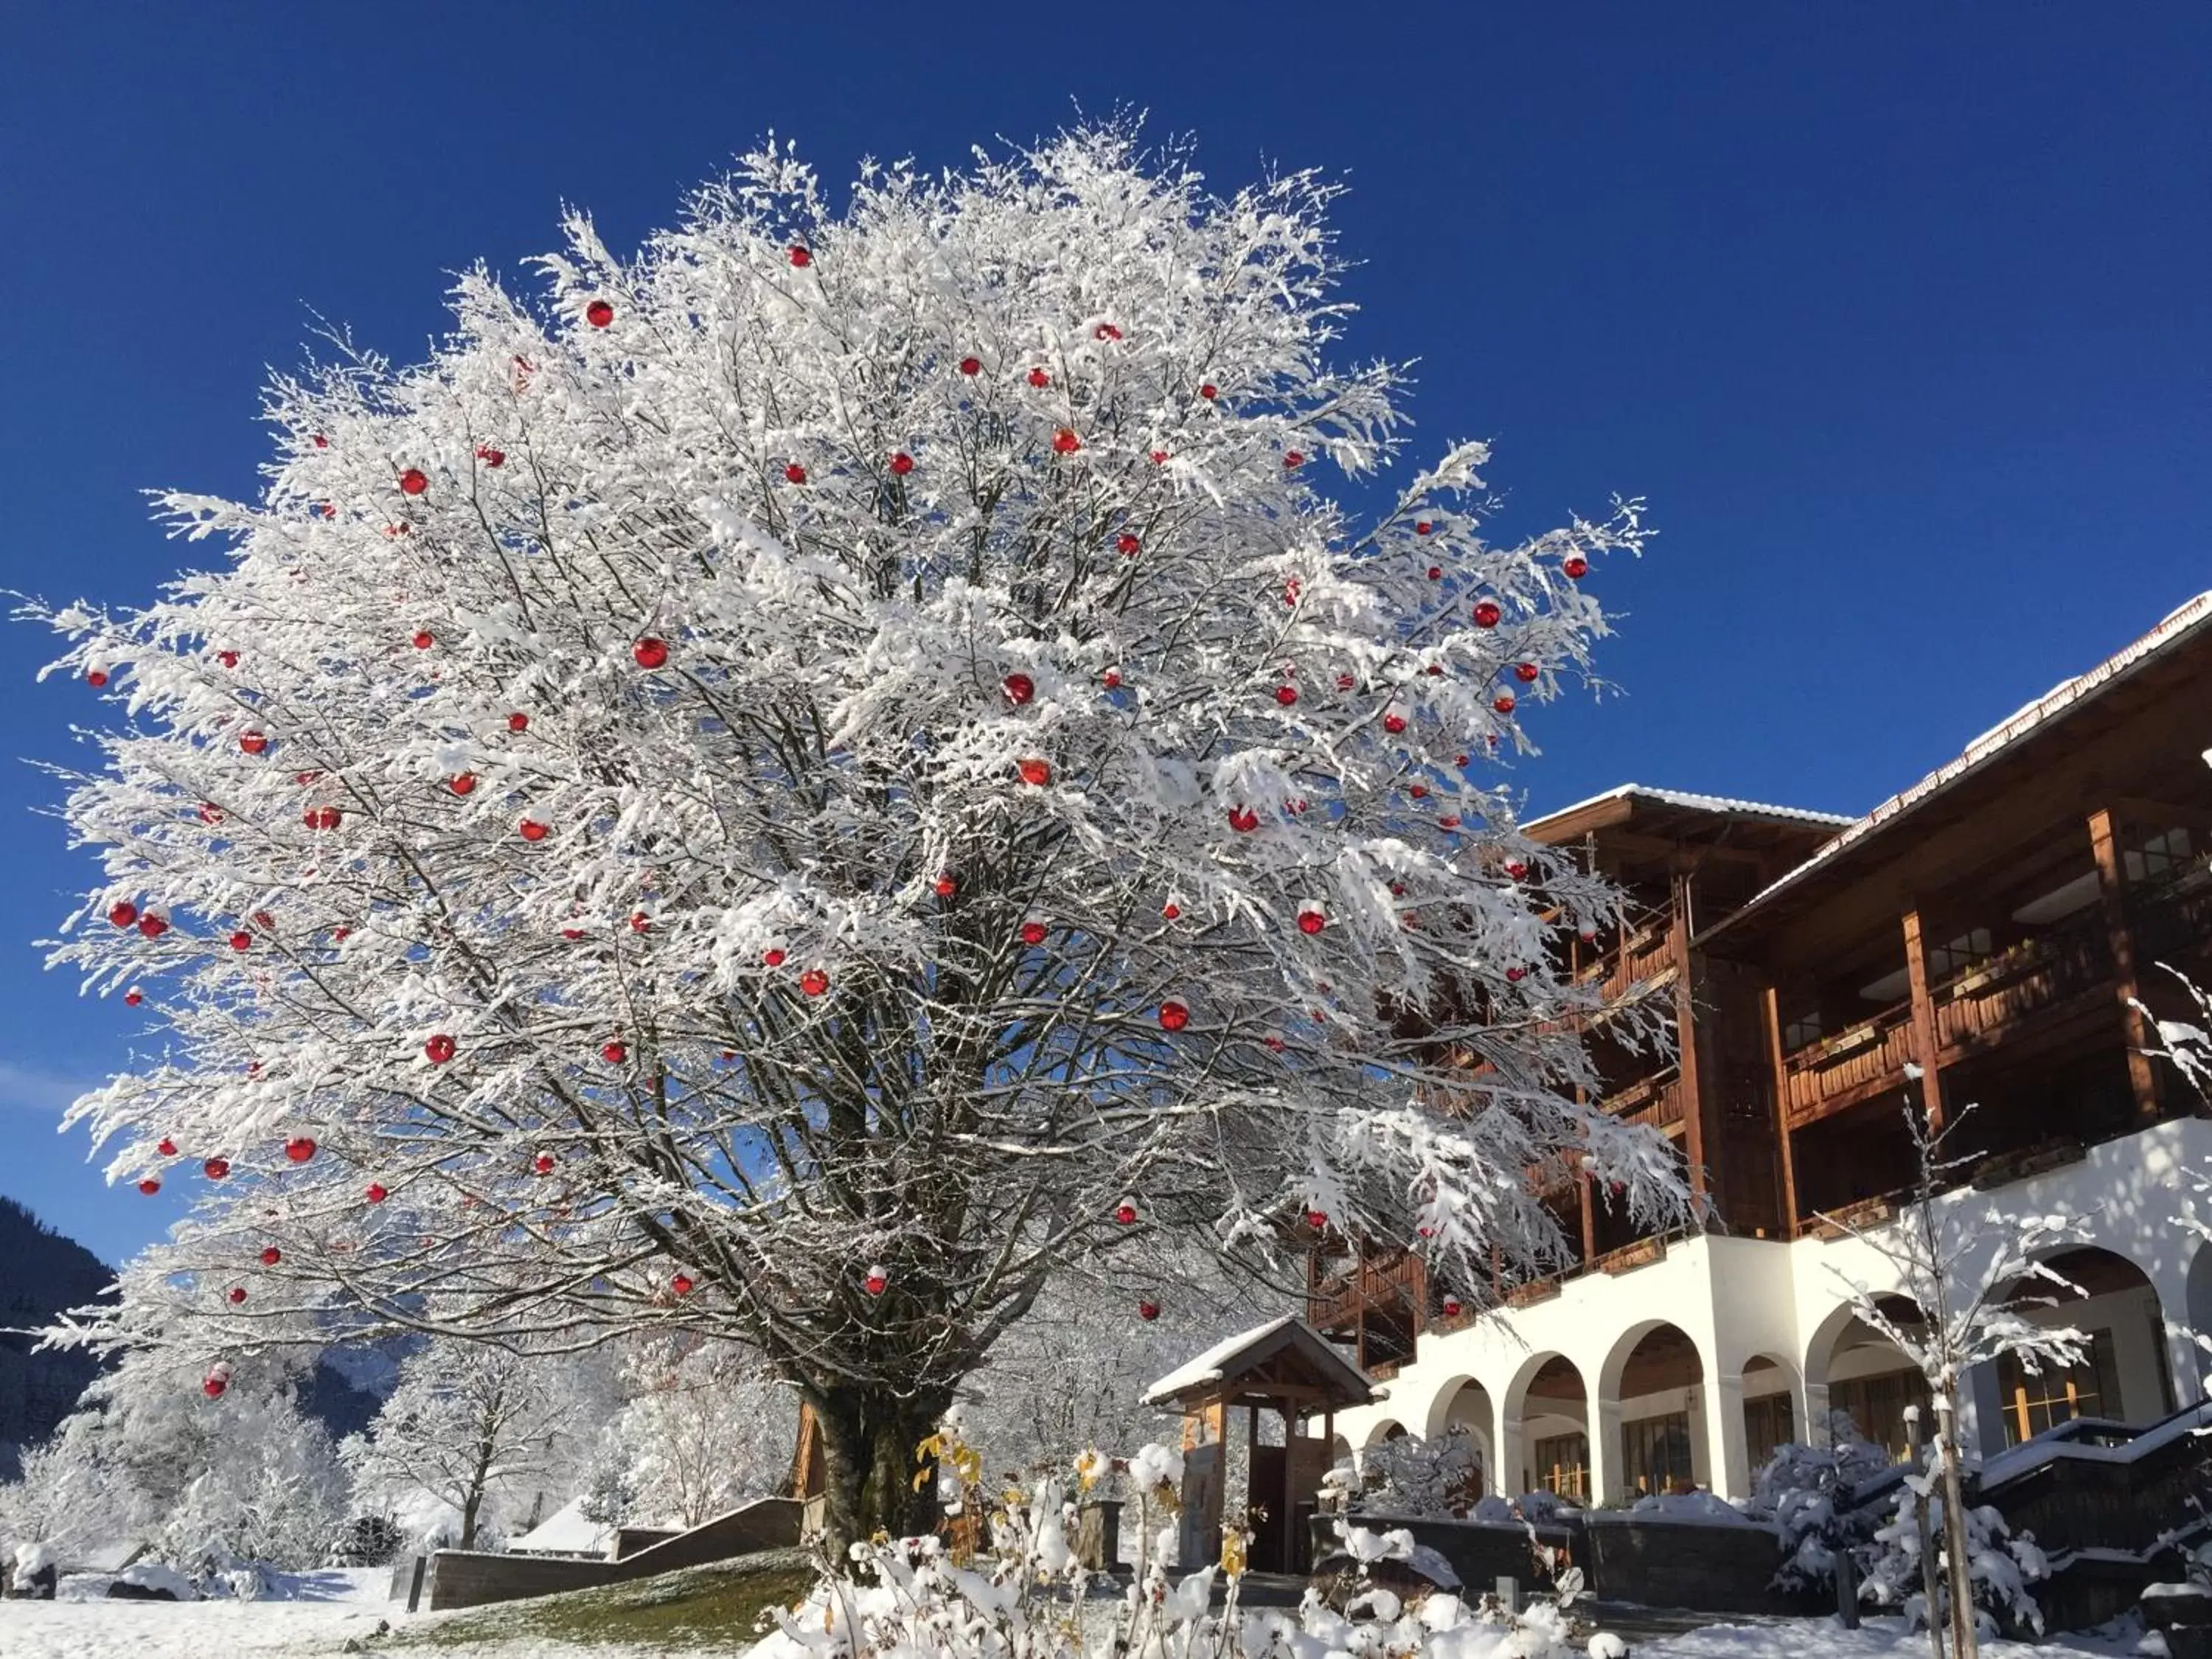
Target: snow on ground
x: 1878, y: 1639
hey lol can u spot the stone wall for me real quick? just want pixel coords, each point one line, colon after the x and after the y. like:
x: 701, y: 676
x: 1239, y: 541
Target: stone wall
x: 469, y: 1579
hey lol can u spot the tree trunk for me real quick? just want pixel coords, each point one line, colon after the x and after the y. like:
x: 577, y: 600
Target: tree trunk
x: 869, y: 1438
x: 469, y: 1519
x: 1966, y: 1644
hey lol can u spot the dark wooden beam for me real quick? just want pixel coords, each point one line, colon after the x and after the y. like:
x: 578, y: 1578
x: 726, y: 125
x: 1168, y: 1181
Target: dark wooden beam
x: 1923, y: 1023
x: 2111, y: 898
x: 1685, y: 1046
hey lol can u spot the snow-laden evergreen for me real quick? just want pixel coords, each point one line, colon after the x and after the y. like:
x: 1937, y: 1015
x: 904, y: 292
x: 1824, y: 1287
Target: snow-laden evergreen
x: 767, y: 790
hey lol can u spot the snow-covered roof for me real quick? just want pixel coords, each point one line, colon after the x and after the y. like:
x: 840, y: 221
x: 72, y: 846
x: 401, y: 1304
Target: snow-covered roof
x: 566, y: 1531
x: 1225, y: 1358
x: 2177, y: 625
x: 1721, y: 804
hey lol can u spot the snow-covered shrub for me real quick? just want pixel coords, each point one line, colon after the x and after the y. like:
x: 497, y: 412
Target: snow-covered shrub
x: 2001, y: 1564
x: 1805, y: 1490
x: 1436, y: 1479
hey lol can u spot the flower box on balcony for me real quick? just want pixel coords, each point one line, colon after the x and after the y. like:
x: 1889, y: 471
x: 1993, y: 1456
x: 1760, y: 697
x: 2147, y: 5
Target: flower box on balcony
x: 1629, y: 1257
x: 1528, y: 1295
x: 2005, y: 1168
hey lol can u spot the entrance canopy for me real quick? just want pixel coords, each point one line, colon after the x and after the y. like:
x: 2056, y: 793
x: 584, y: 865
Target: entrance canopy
x: 1285, y: 1362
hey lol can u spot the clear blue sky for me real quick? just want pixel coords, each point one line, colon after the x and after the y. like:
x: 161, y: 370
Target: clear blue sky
x: 1895, y: 311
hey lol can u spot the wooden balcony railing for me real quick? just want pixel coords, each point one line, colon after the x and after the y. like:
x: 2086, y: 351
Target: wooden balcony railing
x: 1340, y: 1298
x: 2172, y: 921
x: 1642, y: 956
x: 1656, y: 1101
x: 1823, y: 1075
x: 1990, y: 1001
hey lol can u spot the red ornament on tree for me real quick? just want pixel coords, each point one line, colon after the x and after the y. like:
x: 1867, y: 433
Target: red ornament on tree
x: 95, y: 677
x: 439, y: 1049
x: 271, y: 1256
x: 490, y: 457
x: 1451, y: 1307
x: 614, y: 1053
x: 543, y: 1164
x: 599, y: 313
x: 801, y: 256
x: 241, y: 940
x: 1526, y: 672
x: 1174, y: 1015
x: 1113, y: 679
x: 1064, y: 442
x: 322, y: 817
x: 1574, y: 567
x: 424, y: 638
x: 1436, y: 573
x: 123, y: 913
x: 150, y: 1186
x: 1487, y: 613
x: 1311, y: 922
x: 1039, y: 378
x: 814, y: 982
x: 300, y: 1148
x: 1292, y: 460
x: 1128, y: 546
x: 773, y: 955
x: 152, y: 926
x: 1170, y: 909
x: 1317, y: 1220
x: 227, y: 659
x: 133, y: 997
x: 1160, y: 457
x: 237, y: 1294
x: 214, y: 1384
x: 254, y: 743
x: 1035, y: 772
x: 1422, y: 527
x: 1243, y: 820
x: 1148, y: 1311
x: 531, y: 829
x: 946, y: 886
x: 901, y: 462
x: 1516, y: 869
x: 166, y: 1147
x: 1209, y: 392
x: 412, y: 482
x: 209, y: 812
x: 1503, y: 703
x: 518, y: 721
x: 971, y: 366
x: 376, y: 1192
x: 1394, y: 722
x: 877, y: 1280
x: 640, y: 922
x: 795, y: 473
x: 650, y: 653
x: 1105, y: 331
x: 680, y: 1285
x: 1019, y: 687
x: 1286, y: 695
x: 1033, y: 932
x: 215, y: 1168
x: 462, y: 783
x: 1418, y: 791
x: 1126, y: 1212
x: 1515, y: 975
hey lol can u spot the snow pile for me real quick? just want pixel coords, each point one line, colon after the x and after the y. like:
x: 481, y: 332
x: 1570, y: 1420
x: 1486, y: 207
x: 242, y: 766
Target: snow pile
x: 1688, y: 1506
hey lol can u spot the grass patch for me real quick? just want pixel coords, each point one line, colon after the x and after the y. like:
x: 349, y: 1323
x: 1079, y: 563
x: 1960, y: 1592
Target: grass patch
x: 710, y: 1607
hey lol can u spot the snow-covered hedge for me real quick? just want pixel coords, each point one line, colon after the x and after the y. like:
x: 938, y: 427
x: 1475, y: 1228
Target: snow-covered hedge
x: 1805, y: 1491
x: 2002, y: 1564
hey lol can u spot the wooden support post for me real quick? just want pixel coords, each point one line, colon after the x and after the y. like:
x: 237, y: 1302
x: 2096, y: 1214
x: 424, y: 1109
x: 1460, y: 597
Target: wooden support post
x: 1771, y: 1012
x: 2112, y: 895
x: 1685, y: 1047
x: 1583, y: 1188
x: 1923, y: 1022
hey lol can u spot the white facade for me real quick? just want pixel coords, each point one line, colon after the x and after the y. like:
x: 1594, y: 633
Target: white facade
x: 1765, y: 1317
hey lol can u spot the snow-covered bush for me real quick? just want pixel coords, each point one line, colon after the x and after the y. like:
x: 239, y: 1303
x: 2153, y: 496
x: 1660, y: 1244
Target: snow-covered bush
x: 2002, y: 1564
x: 1805, y: 1490
x: 1439, y: 1478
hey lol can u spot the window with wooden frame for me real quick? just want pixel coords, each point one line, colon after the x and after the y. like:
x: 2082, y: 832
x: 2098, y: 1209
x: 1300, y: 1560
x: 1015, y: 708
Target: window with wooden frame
x: 1770, y: 1421
x: 2037, y: 1400
x: 1655, y: 1453
x: 1562, y: 1465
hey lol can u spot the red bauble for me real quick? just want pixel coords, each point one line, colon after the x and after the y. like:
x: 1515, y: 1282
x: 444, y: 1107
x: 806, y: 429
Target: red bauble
x: 241, y: 940
x: 1459, y: 760
x: 1209, y: 392
x: 1526, y: 672
x: 531, y: 829
x: 490, y: 457
x: 209, y: 812
x: 971, y: 366
x: 152, y: 926
x: 95, y: 677
x: 1127, y: 545
x: 1449, y: 823
x: 1317, y: 1220
x: 237, y: 1294
x: 1243, y: 820
x: 572, y: 933
x: 650, y: 653
x: 1422, y: 527
x: 518, y: 721
x: 1064, y: 442
x: 376, y: 1192
x: 166, y: 1147
x: 322, y: 817
x: 877, y: 1280
x: 1033, y: 932
x: 1346, y: 681
x: 1292, y: 460
x: 801, y: 256
x: 1148, y: 1310
x: 615, y: 1054
x: 1291, y: 591
x: 1574, y: 567
x: 1286, y: 695
x: 1503, y: 703
x: 462, y: 783
x: 1451, y: 1307
x: 1488, y: 613
x: 132, y: 998
x: 412, y: 481
x: 946, y: 886
x: 794, y: 473
x: 1418, y: 791
x: 254, y: 743
x: 1035, y: 772
x: 213, y: 1386
x: 814, y: 982
x: 1276, y: 1044
x: 307, y: 779
x: 1039, y: 378
x: 599, y: 313
x: 1170, y: 909
x: 901, y: 462
x: 439, y: 1049
x: 1436, y: 573
x: 1174, y: 1015
x: 1160, y: 457
x: 271, y: 1256
x: 321, y: 442
x: 1311, y: 922
x: 1394, y: 722
x: 1105, y: 331
x: 227, y: 659
x: 424, y: 640
x: 681, y: 1285
x: 640, y: 922
x: 543, y: 1164
x: 150, y: 1186
x: 300, y: 1148
x: 123, y: 913
x: 1126, y: 1212
x: 773, y: 955
x: 1517, y: 870
x: 215, y: 1168
x: 1019, y: 687
x: 1113, y: 679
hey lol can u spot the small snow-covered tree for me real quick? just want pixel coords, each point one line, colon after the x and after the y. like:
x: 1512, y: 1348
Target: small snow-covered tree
x: 469, y: 1425
x: 2001, y: 1565
x: 705, y: 1430
x: 767, y: 792
x: 1969, y: 1276
x: 1806, y: 1491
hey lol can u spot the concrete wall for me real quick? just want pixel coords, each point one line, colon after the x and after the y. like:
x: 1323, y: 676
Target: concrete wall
x: 468, y: 1578
x: 1741, y: 1299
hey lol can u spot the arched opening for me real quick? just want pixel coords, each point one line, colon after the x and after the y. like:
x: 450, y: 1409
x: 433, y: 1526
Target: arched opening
x: 1555, y: 1431
x: 1465, y: 1408
x: 2122, y: 1376
x: 1865, y: 1379
x: 1388, y: 1429
x: 1656, y: 1376
x: 1770, y: 1408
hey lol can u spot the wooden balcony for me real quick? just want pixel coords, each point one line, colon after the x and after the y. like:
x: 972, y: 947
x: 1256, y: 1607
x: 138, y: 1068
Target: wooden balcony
x: 1656, y: 1101
x: 1995, y: 999
x: 1641, y: 958
x: 1340, y: 1299
x: 1836, y: 1071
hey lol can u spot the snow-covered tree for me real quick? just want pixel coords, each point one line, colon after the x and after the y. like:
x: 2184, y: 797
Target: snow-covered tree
x: 1806, y: 1491
x: 2001, y: 1565
x: 469, y: 1425
x: 1969, y: 1276
x: 705, y: 1430
x: 806, y: 776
